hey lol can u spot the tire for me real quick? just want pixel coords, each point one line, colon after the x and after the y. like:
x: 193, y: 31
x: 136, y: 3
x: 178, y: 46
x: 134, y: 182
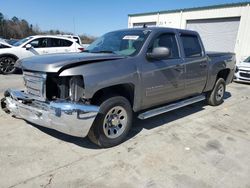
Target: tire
x: 112, y: 123
x: 7, y: 65
x: 215, y: 97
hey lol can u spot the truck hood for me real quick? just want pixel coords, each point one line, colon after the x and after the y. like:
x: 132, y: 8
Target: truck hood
x: 54, y: 63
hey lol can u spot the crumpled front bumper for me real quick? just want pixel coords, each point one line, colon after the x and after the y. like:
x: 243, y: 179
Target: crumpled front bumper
x: 67, y: 117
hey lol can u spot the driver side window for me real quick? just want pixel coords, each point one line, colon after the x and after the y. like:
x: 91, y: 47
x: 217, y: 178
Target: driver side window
x: 168, y: 41
x: 39, y: 43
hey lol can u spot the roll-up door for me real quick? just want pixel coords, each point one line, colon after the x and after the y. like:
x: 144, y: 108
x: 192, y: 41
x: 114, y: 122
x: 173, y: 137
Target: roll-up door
x: 217, y: 34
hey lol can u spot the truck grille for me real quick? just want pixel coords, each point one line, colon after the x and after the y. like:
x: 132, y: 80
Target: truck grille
x: 246, y: 75
x: 35, y: 85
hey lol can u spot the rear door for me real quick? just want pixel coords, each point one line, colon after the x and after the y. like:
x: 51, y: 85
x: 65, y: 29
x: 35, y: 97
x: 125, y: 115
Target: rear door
x: 196, y: 63
x: 62, y: 45
x: 163, y: 80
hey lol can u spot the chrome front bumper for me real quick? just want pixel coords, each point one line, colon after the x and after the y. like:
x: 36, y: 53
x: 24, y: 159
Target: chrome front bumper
x: 66, y: 117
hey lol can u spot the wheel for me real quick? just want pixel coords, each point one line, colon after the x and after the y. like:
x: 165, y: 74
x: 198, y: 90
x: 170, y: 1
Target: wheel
x: 112, y: 123
x: 215, y: 97
x: 7, y: 65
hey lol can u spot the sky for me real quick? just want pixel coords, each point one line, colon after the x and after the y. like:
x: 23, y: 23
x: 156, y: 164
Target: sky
x: 92, y: 17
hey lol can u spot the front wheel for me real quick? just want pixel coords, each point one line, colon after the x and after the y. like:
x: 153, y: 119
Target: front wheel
x: 215, y: 97
x: 7, y: 65
x: 113, y: 122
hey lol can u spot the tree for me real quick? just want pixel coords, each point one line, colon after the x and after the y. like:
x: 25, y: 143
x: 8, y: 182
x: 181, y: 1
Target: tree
x: 15, y: 20
x: 20, y: 28
x: 1, y: 24
x: 1, y: 17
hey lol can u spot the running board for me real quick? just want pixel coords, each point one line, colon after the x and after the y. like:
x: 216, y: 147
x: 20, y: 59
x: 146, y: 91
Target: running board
x: 170, y: 107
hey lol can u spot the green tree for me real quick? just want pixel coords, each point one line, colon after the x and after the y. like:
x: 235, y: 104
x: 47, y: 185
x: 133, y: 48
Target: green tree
x: 1, y: 23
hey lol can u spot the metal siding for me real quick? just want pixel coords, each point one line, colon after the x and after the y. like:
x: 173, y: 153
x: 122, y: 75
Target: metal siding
x: 148, y: 24
x: 217, y: 34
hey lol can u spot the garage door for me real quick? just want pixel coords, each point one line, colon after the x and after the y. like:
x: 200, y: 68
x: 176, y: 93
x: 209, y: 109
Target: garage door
x: 217, y: 34
x: 148, y: 24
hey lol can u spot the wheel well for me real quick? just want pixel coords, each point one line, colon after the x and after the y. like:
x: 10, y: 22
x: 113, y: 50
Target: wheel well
x: 223, y: 74
x: 9, y: 55
x: 125, y: 90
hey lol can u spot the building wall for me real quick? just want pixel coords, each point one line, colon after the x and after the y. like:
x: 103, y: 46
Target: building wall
x: 179, y: 20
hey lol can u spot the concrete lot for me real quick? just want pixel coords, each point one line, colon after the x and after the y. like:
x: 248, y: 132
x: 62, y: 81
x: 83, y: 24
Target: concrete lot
x: 198, y: 146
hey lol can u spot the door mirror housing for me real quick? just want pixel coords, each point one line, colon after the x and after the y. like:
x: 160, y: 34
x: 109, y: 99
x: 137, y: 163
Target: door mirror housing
x: 159, y: 53
x: 28, y: 46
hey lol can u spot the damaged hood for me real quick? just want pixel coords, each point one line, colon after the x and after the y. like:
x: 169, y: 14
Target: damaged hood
x: 55, y: 62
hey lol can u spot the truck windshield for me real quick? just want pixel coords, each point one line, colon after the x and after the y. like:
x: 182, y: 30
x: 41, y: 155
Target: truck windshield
x: 126, y: 42
x: 20, y: 42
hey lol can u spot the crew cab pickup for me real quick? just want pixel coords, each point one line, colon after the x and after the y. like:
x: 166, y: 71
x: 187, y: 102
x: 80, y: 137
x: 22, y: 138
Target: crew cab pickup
x: 143, y: 71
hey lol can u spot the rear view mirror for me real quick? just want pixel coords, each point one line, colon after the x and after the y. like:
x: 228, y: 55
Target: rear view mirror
x: 159, y: 53
x: 28, y: 46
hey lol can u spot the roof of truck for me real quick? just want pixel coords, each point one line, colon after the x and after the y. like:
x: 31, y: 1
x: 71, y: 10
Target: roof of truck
x: 159, y: 29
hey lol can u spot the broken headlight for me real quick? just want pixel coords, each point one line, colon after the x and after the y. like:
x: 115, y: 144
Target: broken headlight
x: 76, y: 90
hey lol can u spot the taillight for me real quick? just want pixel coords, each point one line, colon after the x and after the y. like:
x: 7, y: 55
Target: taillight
x: 81, y: 49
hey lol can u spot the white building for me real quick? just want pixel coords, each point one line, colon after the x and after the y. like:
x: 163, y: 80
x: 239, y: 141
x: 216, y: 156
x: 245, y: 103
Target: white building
x: 224, y: 28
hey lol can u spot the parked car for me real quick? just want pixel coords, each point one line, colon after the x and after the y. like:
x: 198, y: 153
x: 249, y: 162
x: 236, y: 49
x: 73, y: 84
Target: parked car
x: 242, y: 72
x: 75, y: 37
x: 78, y: 40
x: 12, y: 41
x: 35, y: 45
x: 144, y: 71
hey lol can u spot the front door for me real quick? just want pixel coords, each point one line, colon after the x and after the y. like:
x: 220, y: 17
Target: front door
x: 163, y: 80
x: 40, y: 46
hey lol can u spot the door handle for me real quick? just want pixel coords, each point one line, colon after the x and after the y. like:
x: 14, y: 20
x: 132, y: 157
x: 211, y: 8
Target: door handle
x: 179, y: 68
x: 203, y: 64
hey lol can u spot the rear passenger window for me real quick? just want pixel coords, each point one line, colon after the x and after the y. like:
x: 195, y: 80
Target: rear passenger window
x: 191, y: 45
x: 60, y: 43
x: 168, y: 41
x: 66, y: 43
x: 77, y: 39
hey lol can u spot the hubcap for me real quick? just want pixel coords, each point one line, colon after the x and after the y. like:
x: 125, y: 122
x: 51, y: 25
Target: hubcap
x: 115, y: 122
x: 220, y: 92
x: 7, y: 64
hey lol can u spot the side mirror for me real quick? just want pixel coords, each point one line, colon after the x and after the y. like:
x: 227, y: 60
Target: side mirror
x: 159, y: 53
x: 28, y: 46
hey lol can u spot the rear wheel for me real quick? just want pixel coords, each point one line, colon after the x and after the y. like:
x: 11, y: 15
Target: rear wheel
x: 215, y: 97
x: 7, y: 65
x: 113, y: 122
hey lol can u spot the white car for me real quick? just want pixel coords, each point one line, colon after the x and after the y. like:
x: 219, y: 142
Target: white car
x: 242, y: 72
x: 35, y: 45
x: 75, y: 37
x: 4, y: 44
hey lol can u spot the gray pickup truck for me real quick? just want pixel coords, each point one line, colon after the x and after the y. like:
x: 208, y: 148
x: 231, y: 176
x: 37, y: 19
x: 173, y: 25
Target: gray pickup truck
x: 144, y: 71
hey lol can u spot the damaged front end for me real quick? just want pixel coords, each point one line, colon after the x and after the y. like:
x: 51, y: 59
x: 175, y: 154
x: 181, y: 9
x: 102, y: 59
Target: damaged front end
x: 52, y: 102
